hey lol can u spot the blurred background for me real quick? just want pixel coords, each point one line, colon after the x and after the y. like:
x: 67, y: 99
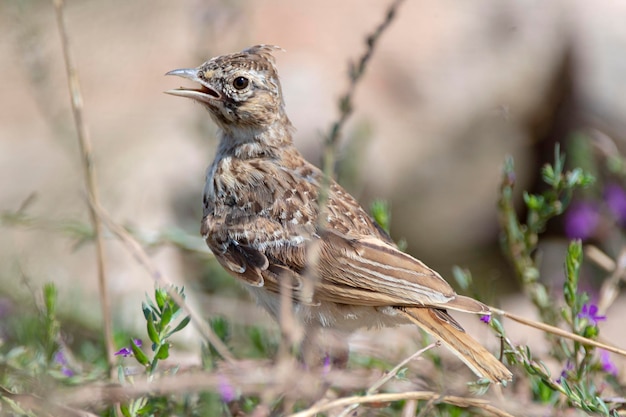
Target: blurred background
x: 452, y: 88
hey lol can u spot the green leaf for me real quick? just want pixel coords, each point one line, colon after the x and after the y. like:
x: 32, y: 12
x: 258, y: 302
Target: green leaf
x: 590, y: 332
x: 166, y: 316
x: 548, y: 175
x: 381, y: 214
x: 125, y: 411
x: 574, y: 177
x: 147, y: 311
x: 543, y: 392
x: 221, y: 328
x: 138, y: 353
x: 602, y: 406
x: 160, y: 296
x: 462, y: 277
x: 153, y: 334
x: 183, y: 323
x: 163, y: 352
x: 496, y: 325
x: 258, y: 340
x: 50, y: 298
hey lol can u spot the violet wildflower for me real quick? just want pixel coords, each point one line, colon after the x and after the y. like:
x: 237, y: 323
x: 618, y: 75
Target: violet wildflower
x: 568, y: 367
x: 590, y: 313
x: 607, y: 365
x: 225, y: 389
x: 615, y: 198
x: 581, y: 220
x: 126, y: 351
x: 486, y: 318
x: 59, y: 358
x: 327, y: 364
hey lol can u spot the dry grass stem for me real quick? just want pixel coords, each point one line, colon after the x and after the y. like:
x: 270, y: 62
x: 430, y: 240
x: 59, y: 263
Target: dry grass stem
x: 249, y: 377
x: 90, y: 179
x: 356, y: 73
x: 462, y: 402
x: 610, y: 287
x: 409, y: 409
x: 346, y: 107
x: 558, y: 332
x: 387, y: 376
x: 599, y: 258
x: 142, y: 257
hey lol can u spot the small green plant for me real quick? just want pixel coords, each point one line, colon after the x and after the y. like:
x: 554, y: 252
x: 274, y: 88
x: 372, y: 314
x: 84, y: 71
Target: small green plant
x: 161, y: 324
x: 582, y: 366
x: 520, y: 240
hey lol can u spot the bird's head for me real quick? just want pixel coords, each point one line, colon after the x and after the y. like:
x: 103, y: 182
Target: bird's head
x: 241, y: 90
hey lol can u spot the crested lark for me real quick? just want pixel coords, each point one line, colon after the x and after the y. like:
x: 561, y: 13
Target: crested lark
x: 263, y: 221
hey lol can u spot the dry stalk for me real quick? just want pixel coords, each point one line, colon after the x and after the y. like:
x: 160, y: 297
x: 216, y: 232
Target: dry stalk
x: 558, y: 332
x: 462, y: 402
x: 90, y: 178
x: 249, y: 377
x: 34, y: 404
x: 387, y: 376
x: 356, y: 73
x: 610, y: 287
x: 409, y: 409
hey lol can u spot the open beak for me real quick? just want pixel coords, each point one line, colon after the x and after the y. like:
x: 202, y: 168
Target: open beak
x: 204, y: 94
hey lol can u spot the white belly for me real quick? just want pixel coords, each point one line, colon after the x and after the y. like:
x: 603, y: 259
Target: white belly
x: 342, y: 317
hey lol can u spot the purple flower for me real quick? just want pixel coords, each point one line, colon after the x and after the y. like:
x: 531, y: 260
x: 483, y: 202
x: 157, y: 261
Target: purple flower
x: 59, y: 358
x: 590, y: 313
x: 485, y: 318
x: 327, y: 364
x: 225, y: 389
x: 581, y: 220
x: 608, y: 366
x: 568, y: 367
x: 126, y: 351
x: 67, y: 371
x: 615, y: 198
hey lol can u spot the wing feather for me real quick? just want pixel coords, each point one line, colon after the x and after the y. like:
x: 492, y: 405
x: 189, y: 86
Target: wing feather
x: 369, y: 271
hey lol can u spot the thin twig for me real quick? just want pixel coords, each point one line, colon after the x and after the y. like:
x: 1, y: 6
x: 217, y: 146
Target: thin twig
x: 610, y: 287
x: 399, y: 366
x: 411, y: 395
x: 387, y: 376
x: 409, y: 409
x: 345, y: 104
x: 42, y: 406
x: 558, y: 332
x: 90, y: 179
x: 249, y: 377
x: 604, y: 261
x: 142, y: 257
x: 356, y: 73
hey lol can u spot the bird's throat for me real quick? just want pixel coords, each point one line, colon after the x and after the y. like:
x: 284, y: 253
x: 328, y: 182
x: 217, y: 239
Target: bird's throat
x: 245, y: 142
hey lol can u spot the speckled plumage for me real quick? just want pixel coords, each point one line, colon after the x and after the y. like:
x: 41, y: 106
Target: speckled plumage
x: 262, y: 221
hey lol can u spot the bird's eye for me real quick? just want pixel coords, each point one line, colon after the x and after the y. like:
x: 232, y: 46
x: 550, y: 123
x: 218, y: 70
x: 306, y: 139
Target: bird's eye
x: 240, y: 83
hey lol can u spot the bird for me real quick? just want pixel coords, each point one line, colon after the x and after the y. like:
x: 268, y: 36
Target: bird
x: 273, y: 220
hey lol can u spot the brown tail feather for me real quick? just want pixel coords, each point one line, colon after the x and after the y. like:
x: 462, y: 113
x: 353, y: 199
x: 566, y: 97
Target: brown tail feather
x: 475, y: 356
